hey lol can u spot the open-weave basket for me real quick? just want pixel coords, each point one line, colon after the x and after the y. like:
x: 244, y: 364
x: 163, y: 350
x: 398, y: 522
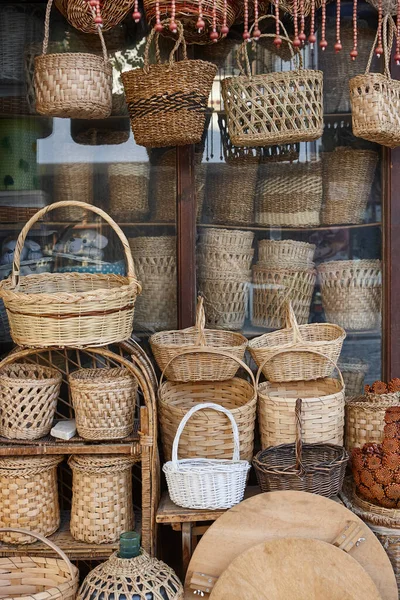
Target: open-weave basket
x: 167, y: 102
x: 102, y: 506
x: 323, y: 338
x: 76, y: 13
x: 72, y: 180
x: 228, y: 239
x: 315, y: 468
x: 353, y: 371
x: 226, y: 299
x: 166, y: 345
x: 70, y: 309
x: 228, y: 260
x: 50, y: 578
x: 29, y: 496
x: 288, y: 254
x: 347, y: 182
x: 351, y: 292
x: 208, y: 434
x: 129, y: 185
x: 28, y: 400
x: 104, y: 402
x: 322, y: 410
x: 203, y: 483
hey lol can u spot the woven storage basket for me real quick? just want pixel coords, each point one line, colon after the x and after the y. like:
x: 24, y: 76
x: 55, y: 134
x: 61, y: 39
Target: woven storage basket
x: 353, y: 371
x: 203, y: 483
x: 322, y: 410
x: 104, y: 402
x: 226, y: 298
x: 77, y: 14
x: 167, y: 102
x: 288, y: 254
x: 78, y: 309
x: 323, y: 338
x: 29, y: 496
x: 73, y: 85
x: 167, y: 344
x: 208, y: 434
x: 213, y: 257
x: 289, y: 195
x: 28, y: 400
x: 315, y: 468
x: 274, y: 288
x: 228, y: 239
x: 72, y: 180
x: 365, y: 418
x: 351, y: 292
x: 129, y: 184
x: 347, y: 182
x: 101, y: 497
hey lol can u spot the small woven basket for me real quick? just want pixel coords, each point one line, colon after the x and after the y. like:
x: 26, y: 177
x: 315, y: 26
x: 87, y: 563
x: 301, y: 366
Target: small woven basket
x: 77, y: 14
x: 287, y: 254
x: 353, y: 371
x: 315, y: 468
x: 226, y: 301
x: 167, y: 102
x: 129, y: 185
x: 213, y: 257
x: 228, y: 239
x: 72, y: 180
x: 102, y: 506
x: 29, y: 496
x: 203, y: 483
x: 28, y: 400
x: 208, y: 433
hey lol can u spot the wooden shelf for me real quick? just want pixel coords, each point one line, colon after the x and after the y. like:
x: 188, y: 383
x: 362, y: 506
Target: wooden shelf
x: 301, y: 229
x: 19, y: 224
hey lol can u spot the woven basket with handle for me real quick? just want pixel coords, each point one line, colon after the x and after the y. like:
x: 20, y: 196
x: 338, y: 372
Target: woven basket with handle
x: 70, y: 309
x: 76, y: 13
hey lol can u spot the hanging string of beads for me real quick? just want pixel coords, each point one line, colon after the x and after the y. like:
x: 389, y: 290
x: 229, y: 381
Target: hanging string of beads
x: 95, y: 9
x: 225, y: 28
x: 338, y: 46
x: 302, y: 35
x: 323, y: 43
x: 397, y: 54
x: 172, y: 24
x: 200, y: 21
x: 296, y: 40
x: 278, y: 39
x: 158, y: 26
x: 379, y: 47
x: 246, y: 34
x: 312, y: 37
x: 354, y: 51
x: 136, y: 13
x: 214, y: 33
x: 256, y: 31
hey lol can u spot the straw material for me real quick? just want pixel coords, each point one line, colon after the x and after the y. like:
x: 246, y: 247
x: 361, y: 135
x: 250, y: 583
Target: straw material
x: 288, y: 6
x: 211, y: 256
x: 129, y: 183
x: 77, y: 14
x: 228, y: 239
x: 353, y: 371
x: 71, y: 181
x: 388, y: 6
x: 347, y: 181
x: 101, y: 497
x: 287, y: 254
x: 28, y: 400
x: 230, y: 193
x: 29, y: 496
x: 226, y: 302
x: 76, y: 309
x: 351, y: 292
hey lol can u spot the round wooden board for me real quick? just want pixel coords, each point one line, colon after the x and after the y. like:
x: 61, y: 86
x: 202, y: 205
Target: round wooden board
x: 276, y: 515
x: 295, y: 569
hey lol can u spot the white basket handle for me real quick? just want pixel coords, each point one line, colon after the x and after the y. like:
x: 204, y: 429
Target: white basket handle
x: 217, y: 407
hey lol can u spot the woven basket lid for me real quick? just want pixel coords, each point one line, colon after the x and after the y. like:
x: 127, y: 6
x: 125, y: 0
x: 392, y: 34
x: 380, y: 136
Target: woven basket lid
x: 99, y: 463
x: 26, y: 466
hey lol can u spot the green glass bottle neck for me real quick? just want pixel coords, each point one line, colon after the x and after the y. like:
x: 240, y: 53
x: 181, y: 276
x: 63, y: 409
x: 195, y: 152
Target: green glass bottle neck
x: 129, y: 545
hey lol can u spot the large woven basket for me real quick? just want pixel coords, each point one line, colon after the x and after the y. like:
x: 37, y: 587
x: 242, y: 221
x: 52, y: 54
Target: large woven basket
x: 129, y: 185
x: 323, y: 338
x: 167, y: 102
x: 72, y: 180
x: 28, y: 400
x: 288, y: 254
x: 208, y: 434
x: 29, y: 496
x: 203, y: 483
x: 76, y: 309
x: 73, y: 85
x: 226, y: 298
x: 353, y: 371
x: 322, y: 410
x: 351, y: 292
x: 77, y: 14
x: 315, y: 468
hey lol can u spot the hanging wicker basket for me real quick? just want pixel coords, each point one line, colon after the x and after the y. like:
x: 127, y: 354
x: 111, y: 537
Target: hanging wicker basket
x: 77, y: 14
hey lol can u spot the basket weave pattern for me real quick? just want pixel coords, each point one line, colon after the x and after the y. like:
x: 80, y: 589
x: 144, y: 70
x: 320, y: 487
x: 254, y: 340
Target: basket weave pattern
x: 353, y: 371
x: 288, y: 254
x: 129, y: 183
x: 235, y: 206
x: 72, y: 180
x: 76, y: 12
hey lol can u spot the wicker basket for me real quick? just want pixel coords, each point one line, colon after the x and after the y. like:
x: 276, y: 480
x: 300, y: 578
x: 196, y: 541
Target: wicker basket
x: 77, y: 14
x: 348, y: 178
x: 167, y: 102
x: 213, y: 257
x: 208, y: 434
x: 28, y: 400
x: 286, y: 254
x: 322, y: 411
x: 72, y: 180
x: 322, y: 338
x: 73, y: 85
x: 353, y: 371
x: 228, y: 239
x: 315, y: 468
x: 129, y: 184
x: 226, y: 347
x: 289, y: 195
x: 351, y: 293
x: 102, y: 506
x: 29, y: 496
x: 203, y: 483
x: 76, y: 309
x: 226, y: 302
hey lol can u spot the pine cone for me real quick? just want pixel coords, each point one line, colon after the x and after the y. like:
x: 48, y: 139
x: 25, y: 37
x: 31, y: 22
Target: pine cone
x: 391, y: 461
x: 379, y: 387
x: 393, y: 491
x: 383, y: 475
x: 394, y: 385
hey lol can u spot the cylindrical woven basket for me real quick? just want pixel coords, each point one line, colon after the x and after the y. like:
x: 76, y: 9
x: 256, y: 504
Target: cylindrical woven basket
x: 72, y: 180
x: 77, y: 14
x: 129, y: 185
x: 76, y: 309
x: 229, y: 259
x: 29, y: 496
x: 287, y: 254
x: 28, y: 400
x: 226, y: 298
x: 208, y: 434
x: 228, y: 239
x: 351, y: 293
x: 104, y: 402
x: 203, y: 483
x: 322, y: 338
x: 102, y: 506
x: 315, y: 468
x: 322, y: 410
x: 167, y: 102
x: 347, y: 182
x: 353, y: 371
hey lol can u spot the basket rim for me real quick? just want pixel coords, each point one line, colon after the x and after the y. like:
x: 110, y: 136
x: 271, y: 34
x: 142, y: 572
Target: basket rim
x: 55, y: 375
x: 340, y: 457
x: 276, y: 74
x: 191, y: 465
x: 121, y: 374
x: 126, y: 75
x: 178, y: 345
x: 183, y: 410
x: 262, y: 387
x: 254, y: 344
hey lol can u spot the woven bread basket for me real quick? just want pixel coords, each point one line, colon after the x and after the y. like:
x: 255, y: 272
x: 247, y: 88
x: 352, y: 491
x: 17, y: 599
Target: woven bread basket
x: 129, y: 185
x: 288, y: 254
x: 77, y: 14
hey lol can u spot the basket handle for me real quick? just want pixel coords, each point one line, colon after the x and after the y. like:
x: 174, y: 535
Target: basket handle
x: 291, y: 323
x: 200, y: 321
x: 155, y: 35
x: 43, y: 211
x: 51, y: 545
x: 298, y: 443
x: 194, y: 409
x: 387, y: 24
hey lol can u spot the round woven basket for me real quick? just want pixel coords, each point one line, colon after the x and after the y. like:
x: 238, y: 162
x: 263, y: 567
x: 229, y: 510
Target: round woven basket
x: 72, y: 180
x: 233, y: 240
x: 212, y: 257
x: 28, y: 400
x: 287, y: 254
x: 226, y: 301
x: 29, y: 497
x: 129, y: 184
x: 353, y: 371
x: 77, y: 14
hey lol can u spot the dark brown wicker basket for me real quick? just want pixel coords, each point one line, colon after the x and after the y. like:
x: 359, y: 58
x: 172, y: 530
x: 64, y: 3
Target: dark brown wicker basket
x: 315, y: 468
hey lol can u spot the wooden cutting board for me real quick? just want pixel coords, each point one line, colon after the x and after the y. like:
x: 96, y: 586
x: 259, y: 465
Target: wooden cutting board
x: 295, y: 569
x: 276, y: 515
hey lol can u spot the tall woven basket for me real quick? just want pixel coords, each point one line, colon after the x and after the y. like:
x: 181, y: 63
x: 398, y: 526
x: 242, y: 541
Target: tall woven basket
x: 287, y: 254
x: 353, y: 371
x: 70, y: 309
x: 72, y: 180
x: 129, y: 186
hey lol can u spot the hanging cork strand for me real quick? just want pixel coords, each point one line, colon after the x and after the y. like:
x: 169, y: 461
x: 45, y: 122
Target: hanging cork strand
x: 323, y: 43
x: 225, y: 28
x: 158, y: 26
x: 397, y: 54
x: 200, y: 21
x: 296, y: 40
x: 172, y: 25
x: 312, y: 37
x: 256, y: 32
x: 379, y: 47
x: 338, y: 46
x: 96, y: 12
x: 302, y: 35
x: 278, y: 39
x: 136, y: 14
x: 246, y: 34
x: 214, y: 34
x: 354, y: 52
